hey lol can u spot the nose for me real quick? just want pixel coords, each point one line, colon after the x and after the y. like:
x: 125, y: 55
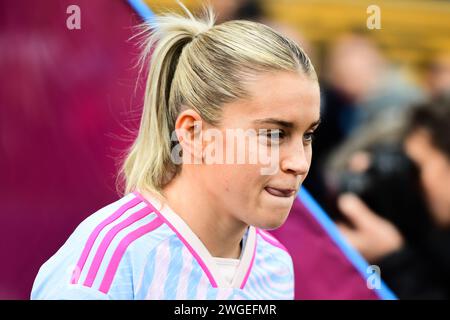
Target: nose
x: 296, y: 160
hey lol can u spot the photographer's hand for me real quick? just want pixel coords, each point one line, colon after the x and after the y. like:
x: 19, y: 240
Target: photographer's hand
x: 373, y: 236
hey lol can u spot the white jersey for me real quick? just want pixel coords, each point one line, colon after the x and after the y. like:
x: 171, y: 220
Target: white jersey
x: 131, y: 250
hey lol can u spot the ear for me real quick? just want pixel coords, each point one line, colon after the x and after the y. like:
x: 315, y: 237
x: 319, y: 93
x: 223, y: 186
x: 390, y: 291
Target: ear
x: 188, y: 128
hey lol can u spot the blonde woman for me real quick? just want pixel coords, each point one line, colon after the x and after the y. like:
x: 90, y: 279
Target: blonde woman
x: 223, y: 146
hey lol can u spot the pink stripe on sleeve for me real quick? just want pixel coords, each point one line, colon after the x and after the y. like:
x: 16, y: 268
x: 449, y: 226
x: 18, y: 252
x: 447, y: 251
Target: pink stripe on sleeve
x: 120, y: 250
x: 93, y: 236
x: 98, y: 258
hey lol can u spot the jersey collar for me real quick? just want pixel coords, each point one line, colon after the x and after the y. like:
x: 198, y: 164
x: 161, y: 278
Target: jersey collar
x: 200, y: 252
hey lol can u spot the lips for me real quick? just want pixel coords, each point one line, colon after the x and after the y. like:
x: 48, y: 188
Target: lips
x: 277, y: 192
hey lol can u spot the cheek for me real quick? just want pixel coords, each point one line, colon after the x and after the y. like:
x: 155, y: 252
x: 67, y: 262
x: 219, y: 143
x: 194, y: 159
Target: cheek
x: 309, y: 155
x: 433, y: 176
x: 444, y: 181
x: 241, y: 187
x: 240, y: 179
x: 429, y: 182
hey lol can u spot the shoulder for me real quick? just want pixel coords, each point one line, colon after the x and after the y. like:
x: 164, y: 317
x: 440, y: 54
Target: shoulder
x: 270, y: 247
x: 269, y: 240
x: 104, y: 250
x: 274, y: 269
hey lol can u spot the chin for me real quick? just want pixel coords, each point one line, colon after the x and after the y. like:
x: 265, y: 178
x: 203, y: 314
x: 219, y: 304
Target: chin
x: 272, y: 220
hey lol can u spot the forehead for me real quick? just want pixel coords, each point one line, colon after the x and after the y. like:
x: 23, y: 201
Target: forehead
x: 288, y: 96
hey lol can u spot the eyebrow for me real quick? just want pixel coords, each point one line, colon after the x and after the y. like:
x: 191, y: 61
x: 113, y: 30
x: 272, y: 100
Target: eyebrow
x: 282, y: 123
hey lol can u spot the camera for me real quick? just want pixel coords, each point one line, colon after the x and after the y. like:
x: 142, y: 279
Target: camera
x: 390, y: 186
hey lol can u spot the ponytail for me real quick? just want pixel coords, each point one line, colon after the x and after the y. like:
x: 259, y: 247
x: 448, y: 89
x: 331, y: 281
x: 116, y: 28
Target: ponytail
x: 148, y: 162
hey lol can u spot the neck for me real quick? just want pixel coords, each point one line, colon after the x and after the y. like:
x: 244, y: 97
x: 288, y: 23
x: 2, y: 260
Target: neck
x: 219, y: 231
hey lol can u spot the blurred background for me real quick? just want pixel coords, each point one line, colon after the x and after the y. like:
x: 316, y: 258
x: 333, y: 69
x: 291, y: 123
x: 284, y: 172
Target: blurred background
x: 70, y: 105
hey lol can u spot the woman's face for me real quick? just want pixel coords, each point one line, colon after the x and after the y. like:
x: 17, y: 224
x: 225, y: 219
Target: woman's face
x: 261, y: 192
x: 434, y: 170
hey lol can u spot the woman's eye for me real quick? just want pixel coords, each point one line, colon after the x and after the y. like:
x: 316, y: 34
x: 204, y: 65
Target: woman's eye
x: 273, y: 135
x: 309, y: 137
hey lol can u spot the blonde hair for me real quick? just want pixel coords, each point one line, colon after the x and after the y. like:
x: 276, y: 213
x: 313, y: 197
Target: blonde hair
x: 196, y: 64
